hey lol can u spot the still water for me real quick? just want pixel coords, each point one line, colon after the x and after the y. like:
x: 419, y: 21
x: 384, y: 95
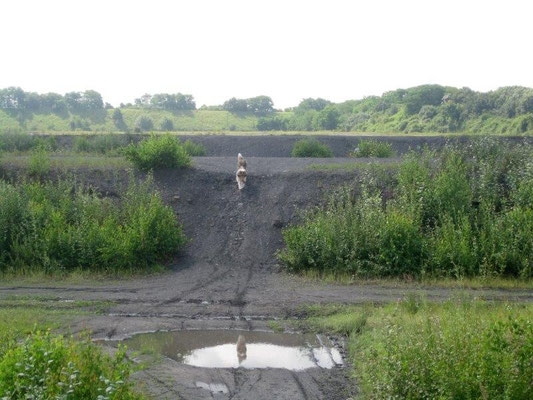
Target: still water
x: 218, y: 349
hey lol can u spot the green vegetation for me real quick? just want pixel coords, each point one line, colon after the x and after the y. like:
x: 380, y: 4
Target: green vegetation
x: 311, y: 148
x: 158, y: 152
x: 102, y: 144
x: 194, y: 149
x: 25, y: 367
x: 59, y: 228
x: 46, y: 366
x: 39, y: 163
x: 457, y: 350
x: 143, y: 124
x: 464, y: 212
x: 23, y: 142
x: 374, y: 148
x: 426, y: 108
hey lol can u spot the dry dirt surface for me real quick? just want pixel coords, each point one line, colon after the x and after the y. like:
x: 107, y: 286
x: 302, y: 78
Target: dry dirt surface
x: 228, y: 278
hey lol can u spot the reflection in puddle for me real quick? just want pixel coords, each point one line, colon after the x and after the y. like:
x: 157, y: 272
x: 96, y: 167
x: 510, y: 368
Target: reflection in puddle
x: 234, y: 349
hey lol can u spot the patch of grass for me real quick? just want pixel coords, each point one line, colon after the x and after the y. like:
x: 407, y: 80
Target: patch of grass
x: 103, y: 144
x: 158, y: 152
x: 419, y: 350
x: 479, y: 282
x: 50, y: 303
x: 57, y: 228
x: 194, y: 149
x: 276, y: 326
x: 66, y: 161
x: 311, y: 148
x: 373, y: 148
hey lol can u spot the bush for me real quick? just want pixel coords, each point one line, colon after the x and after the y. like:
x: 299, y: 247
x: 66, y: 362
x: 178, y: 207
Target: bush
x: 58, y: 228
x: 45, y: 366
x: 144, y: 123
x: 194, y: 149
x: 16, y: 142
x: 465, y: 212
x: 39, y: 164
x: 118, y: 120
x: 311, y: 148
x: 459, y: 350
x: 374, y: 148
x: 158, y: 152
x: 272, y: 124
x: 167, y: 125
x: 103, y: 144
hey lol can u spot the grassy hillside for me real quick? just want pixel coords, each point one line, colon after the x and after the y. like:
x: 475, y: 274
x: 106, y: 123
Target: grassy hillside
x: 199, y: 120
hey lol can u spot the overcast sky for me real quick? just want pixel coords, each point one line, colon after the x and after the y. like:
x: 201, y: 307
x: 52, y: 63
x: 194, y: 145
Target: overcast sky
x: 289, y: 49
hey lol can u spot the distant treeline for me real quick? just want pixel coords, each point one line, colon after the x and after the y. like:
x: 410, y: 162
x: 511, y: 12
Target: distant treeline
x: 426, y: 108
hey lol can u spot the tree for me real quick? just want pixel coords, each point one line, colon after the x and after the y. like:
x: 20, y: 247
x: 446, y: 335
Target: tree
x: 328, y: 118
x: 12, y: 98
x: 53, y: 102
x: 144, y: 100
x: 144, y: 123
x: 235, y: 105
x: 423, y: 95
x: 173, y: 102
x: 73, y: 101
x: 260, y: 104
x: 317, y: 104
x: 118, y: 119
x: 272, y: 124
x: 91, y: 101
x: 167, y: 125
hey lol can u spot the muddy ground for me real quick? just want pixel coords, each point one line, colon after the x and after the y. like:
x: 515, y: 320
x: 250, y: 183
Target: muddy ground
x: 228, y: 278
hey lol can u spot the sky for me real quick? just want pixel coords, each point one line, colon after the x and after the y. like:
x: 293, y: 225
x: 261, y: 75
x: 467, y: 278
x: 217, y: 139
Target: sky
x: 289, y: 50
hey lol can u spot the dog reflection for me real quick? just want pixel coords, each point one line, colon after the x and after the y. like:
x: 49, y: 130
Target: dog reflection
x: 241, y: 349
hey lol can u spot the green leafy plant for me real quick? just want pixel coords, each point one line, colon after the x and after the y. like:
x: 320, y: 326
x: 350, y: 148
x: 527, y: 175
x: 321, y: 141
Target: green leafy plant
x: 374, y: 148
x: 311, y: 148
x: 45, y: 366
x: 463, y: 212
x: 194, y: 149
x: 158, y: 152
x: 39, y: 163
x: 57, y: 228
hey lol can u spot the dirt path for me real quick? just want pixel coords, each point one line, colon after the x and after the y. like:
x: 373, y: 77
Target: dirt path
x: 228, y: 277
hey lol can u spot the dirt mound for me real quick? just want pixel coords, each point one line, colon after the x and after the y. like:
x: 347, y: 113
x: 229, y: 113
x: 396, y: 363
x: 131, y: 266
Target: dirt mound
x: 244, y: 227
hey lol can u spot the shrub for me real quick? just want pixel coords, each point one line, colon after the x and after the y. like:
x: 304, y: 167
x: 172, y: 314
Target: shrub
x: 61, y: 227
x: 39, y: 164
x: 459, y: 350
x: 272, y: 124
x: 118, y: 120
x: 311, y: 148
x: 144, y: 123
x: 374, y: 148
x: 16, y: 142
x: 158, y: 152
x: 461, y: 213
x: 103, y: 144
x: 45, y: 366
x: 194, y: 149
x: 167, y: 125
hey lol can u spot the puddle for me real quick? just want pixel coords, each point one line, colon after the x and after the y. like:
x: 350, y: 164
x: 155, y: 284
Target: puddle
x: 218, y: 349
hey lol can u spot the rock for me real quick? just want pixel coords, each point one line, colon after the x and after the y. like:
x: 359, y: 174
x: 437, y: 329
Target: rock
x: 277, y: 223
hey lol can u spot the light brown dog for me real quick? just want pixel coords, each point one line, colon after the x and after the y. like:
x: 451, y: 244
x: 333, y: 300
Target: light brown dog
x: 241, y: 348
x: 241, y: 171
